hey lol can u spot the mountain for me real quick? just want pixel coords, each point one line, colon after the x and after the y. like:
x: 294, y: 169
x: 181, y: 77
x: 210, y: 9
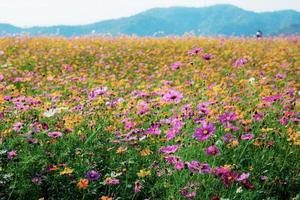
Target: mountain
x: 214, y: 20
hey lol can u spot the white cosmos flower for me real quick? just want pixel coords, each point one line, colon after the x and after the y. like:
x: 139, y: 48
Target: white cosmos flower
x: 252, y: 80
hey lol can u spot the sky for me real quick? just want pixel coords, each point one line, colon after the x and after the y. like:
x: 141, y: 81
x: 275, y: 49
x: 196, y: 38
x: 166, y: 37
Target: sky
x: 28, y: 13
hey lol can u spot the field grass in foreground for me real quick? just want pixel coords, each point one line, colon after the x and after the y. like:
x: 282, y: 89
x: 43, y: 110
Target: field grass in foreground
x: 141, y: 118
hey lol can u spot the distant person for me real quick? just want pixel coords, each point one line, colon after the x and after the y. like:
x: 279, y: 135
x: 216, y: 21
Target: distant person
x: 259, y: 34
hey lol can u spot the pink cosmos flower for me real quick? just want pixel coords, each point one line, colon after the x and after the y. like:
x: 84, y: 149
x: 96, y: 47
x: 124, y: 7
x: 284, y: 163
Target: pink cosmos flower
x: 111, y: 181
x: 176, y: 65
x: 137, y: 186
x: 17, y: 126
x: 169, y: 149
x: 240, y: 62
x: 243, y: 176
x: 55, y: 134
x: 11, y: 154
x: 172, y: 97
x: 247, y: 136
x: 142, y: 108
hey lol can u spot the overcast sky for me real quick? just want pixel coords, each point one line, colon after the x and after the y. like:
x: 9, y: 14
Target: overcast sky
x: 51, y: 12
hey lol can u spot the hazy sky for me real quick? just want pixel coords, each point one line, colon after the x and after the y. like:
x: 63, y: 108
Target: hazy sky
x: 50, y: 12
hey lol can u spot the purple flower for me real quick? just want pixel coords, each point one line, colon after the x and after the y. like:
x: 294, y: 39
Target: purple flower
x: 194, y: 166
x: 247, y: 136
x: 187, y: 194
x: 153, y: 130
x: 92, y: 175
x: 203, y: 108
x: 179, y: 165
x: 111, y: 181
x: 137, y: 186
x: 240, y: 62
x: 212, y: 150
x: 195, y: 51
x: 172, y: 97
x: 37, y: 179
x: 271, y: 99
x: 243, y: 176
x: 172, y: 159
x: 17, y: 126
x: 169, y: 149
x: 227, y: 117
x: 280, y: 76
x: 205, y: 131
x: 207, y: 56
x: 176, y: 65
x: 197, y: 167
x: 263, y: 178
x: 228, y: 137
x: 11, y: 154
x: 55, y: 134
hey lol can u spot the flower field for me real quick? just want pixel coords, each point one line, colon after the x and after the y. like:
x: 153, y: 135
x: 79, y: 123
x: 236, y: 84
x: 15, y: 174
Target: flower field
x: 145, y: 118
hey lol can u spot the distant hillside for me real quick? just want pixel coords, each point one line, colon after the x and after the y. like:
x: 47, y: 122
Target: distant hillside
x: 213, y: 20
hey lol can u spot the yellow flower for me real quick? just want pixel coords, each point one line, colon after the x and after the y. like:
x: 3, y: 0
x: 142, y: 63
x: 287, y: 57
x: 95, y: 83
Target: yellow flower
x: 143, y: 173
x: 67, y: 170
x: 145, y: 152
x: 121, y: 150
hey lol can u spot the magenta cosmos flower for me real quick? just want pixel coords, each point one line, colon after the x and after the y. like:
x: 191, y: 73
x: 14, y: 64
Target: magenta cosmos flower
x: 207, y: 56
x: 176, y: 65
x: 212, y: 150
x: 227, y: 117
x: 92, y: 175
x: 172, y: 97
x: 247, y: 136
x: 197, y: 167
x: 55, y: 134
x: 240, y: 62
x: 169, y: 149
x: 205, y: 131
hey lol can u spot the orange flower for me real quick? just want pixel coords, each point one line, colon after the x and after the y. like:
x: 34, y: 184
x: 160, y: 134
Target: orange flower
x: 106, y: 198
x: 83, y: 183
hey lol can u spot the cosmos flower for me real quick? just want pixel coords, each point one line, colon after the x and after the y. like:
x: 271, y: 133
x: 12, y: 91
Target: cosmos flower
x: 169, y: 149
x: 54, y: 134
x: 172, y: 96
x: 11, y: 154
x: 243, y: 176
x: 247, y: 136
x: 207, y: 56
x: 240, y: 62
x: 154, y: 130
x: 227, y: 117
x: 185, y: 193
x: 195, y: 51
x: 142, y: 107
x: 205, y: 131
x: 37, y: 179
x: 212, y: 150
x: 137, y: 186
x: 111, y: 181
x: 17, y: 126
x: 176, y: 65
x: 92, y: 175
x: 197, y: 167
x: 83, y: 183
